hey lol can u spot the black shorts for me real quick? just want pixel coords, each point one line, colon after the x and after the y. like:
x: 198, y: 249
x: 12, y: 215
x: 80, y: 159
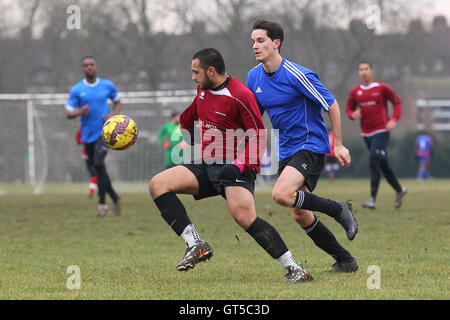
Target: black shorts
x: 210, y: 185
x: 308, y: 163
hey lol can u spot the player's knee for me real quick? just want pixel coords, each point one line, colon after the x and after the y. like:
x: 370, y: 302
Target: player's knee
x: 157, y: 186
x: 280, y: 197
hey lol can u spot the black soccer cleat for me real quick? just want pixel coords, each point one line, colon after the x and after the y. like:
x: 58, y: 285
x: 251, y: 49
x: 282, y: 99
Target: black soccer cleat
x: 344, y: 267
x: 200, y: 251
x: 296, y: 274
x: 347, y: 220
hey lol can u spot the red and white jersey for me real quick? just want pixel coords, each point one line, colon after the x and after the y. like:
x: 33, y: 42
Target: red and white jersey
x: 231, y: 124
x: 372, y: 100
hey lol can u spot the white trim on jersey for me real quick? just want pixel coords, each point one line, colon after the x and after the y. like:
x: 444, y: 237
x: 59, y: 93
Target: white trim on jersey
x: 373, y: 133
x: 117, y: 98
x: 97, y: 80
x: 306, y: 83
x: 370, y: 86
x: 70, y: 108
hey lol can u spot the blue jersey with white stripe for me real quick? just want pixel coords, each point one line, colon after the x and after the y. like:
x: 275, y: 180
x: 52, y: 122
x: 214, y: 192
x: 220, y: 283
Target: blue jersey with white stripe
x: 294, y: 99
x: 96, y: 95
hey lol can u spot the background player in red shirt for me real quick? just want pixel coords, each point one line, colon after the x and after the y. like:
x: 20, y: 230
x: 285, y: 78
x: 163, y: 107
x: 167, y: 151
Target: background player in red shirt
x: 223, y: 105
x: 368, y: 102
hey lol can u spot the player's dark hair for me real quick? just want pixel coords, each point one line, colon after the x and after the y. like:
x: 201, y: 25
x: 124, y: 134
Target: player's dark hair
x: 87, y: 57
x: 274, y: 30
x: 174, y: 114
x: 365, y: 62
x: 210, y: 57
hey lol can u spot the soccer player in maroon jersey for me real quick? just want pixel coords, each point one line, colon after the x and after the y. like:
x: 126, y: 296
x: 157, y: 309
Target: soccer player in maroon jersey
x: 228, y: 166
x: 368, y: 102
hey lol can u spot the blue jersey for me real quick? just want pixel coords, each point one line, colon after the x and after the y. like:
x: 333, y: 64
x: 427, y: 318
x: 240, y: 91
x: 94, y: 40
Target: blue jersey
x: 294, y: 99
x: 96, y: 95
x: 424, y: 144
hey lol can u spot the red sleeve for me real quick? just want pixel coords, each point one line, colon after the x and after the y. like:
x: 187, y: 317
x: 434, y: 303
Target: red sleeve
x: 255, y: 131
x: 78, y: 136
x: 393, y: 97
x: 189, y: 116
x: 351, y: 104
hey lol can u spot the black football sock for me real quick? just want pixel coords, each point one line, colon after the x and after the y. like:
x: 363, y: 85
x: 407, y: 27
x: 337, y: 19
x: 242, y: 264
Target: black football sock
x: 390, y: 176
x: 375, y: 176
x: 173, y: 211
x: 309, y: 201
x: 267, y: 237
x: 325, y: 240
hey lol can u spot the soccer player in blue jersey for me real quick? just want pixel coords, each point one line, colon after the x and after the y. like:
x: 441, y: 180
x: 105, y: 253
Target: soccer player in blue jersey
x: 89, y: 100
x: 294, y: 98
x: 424, y: 148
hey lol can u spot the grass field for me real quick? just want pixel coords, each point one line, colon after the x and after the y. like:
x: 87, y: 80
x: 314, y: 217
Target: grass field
x: 133, y: 256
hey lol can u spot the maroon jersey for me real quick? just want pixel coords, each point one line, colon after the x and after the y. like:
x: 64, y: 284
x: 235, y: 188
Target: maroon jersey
x: 372, y: 101
x: 230, y: 124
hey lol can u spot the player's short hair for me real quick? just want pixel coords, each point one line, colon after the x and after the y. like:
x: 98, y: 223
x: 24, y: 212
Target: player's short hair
x: 210, y: 57
x: 365, y: 62
x: 174, y: 114
x: 274, y: 30
x: 87, y: 57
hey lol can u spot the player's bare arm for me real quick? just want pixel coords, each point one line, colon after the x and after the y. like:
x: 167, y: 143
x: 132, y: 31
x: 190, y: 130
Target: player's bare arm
x: 78, y: 113
x: 340, y: 151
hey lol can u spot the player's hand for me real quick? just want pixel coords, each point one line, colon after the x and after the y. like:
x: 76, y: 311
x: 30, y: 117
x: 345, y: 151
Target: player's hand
x: 166, y: 145
x: 343, y: 155
x: 391, y: 125
x: 356, y: 114
x: 229, y: 172
x: 84, y: 110
x: 182, y: 145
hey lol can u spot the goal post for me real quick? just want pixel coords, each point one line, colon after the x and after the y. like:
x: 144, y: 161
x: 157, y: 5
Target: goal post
x: 38, y: 148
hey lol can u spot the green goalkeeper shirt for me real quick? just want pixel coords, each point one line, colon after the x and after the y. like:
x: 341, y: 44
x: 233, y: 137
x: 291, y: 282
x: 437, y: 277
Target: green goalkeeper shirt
x: 171, y: 132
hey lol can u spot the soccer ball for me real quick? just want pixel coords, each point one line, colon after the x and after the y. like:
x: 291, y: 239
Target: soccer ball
x: 119, y: 132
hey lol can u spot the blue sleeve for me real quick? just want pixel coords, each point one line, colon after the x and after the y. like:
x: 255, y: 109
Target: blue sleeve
x: 74, y: 100
x: 113, y: 93
x: 249, y: 85
x: 309, y: 85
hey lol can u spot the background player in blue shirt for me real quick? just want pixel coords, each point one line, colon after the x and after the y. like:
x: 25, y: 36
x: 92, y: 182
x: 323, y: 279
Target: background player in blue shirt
x: 424, y: 146
x: 294, y: 98
x: 89, y: 100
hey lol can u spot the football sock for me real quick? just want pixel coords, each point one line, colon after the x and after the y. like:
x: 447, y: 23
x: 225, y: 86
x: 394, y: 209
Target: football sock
x: 287, y: 260
x: 325, y: 240
x: 267, y: 237
x: 309, y: 201
x: 190, y: 235
x: 390, y: 176
x: 375, y: 176
x: 173, y: 212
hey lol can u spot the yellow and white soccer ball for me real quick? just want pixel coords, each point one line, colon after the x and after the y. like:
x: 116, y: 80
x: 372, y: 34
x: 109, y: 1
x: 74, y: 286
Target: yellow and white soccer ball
x: 119, y: 132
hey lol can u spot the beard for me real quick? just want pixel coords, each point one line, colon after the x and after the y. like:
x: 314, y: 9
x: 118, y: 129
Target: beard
x: 208, y: 84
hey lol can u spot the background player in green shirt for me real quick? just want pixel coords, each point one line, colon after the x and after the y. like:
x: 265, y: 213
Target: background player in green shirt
x: 170, y: 137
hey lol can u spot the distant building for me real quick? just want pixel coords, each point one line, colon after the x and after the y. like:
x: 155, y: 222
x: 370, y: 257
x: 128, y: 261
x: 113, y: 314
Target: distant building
x: 433, y: 111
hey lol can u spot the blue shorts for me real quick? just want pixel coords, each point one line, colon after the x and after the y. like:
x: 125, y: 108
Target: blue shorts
x: 377, y: 145
x: 423, y: 160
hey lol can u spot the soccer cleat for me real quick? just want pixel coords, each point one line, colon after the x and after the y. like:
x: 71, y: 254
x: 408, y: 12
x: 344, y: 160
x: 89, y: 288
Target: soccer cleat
x: 340, y: 267
x: 102, y: 210
x: 296, y: 274
x: 399, y: 198
x: 370, y: 203
x: 116, y: 208
x: 347, y: 220
x: 200, y: 251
